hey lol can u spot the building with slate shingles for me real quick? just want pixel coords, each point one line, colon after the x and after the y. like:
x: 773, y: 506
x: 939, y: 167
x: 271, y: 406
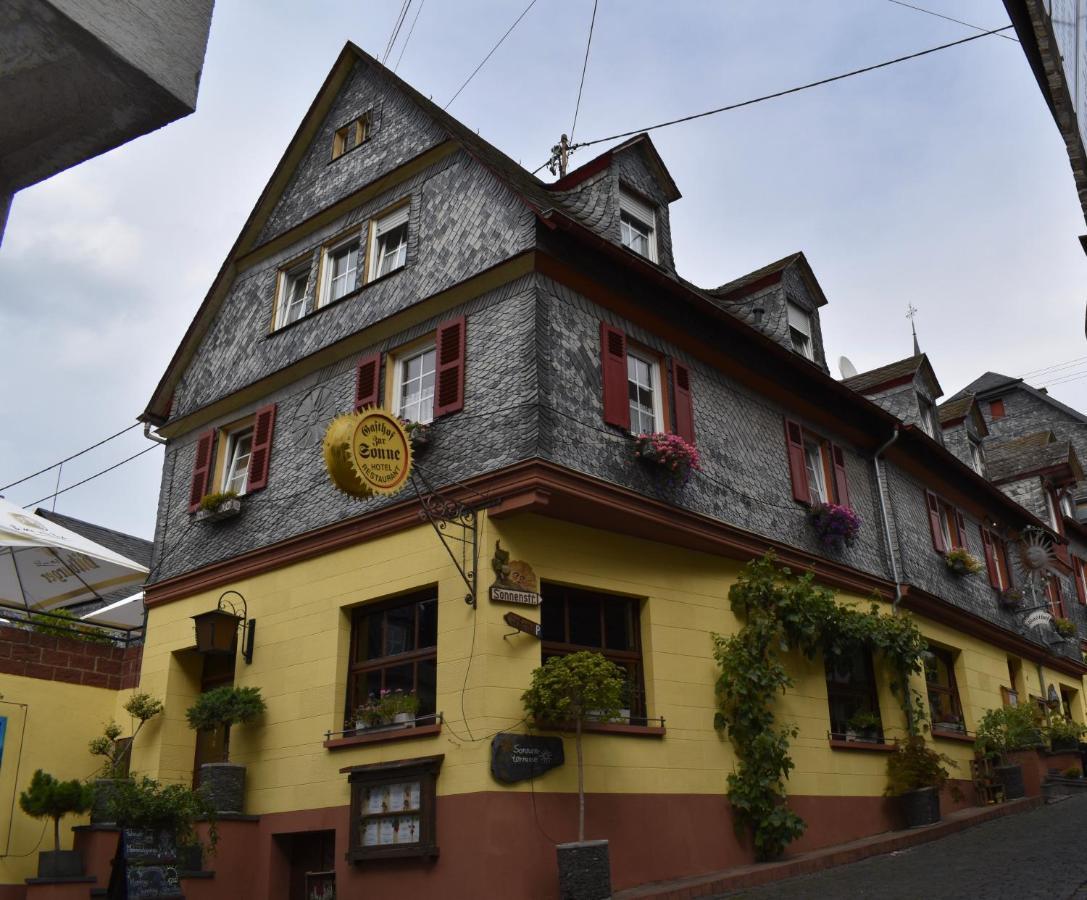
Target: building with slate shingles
x: 396, y: 259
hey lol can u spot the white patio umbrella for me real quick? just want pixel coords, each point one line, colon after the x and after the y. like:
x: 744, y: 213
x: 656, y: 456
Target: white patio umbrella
x: 45, y: 566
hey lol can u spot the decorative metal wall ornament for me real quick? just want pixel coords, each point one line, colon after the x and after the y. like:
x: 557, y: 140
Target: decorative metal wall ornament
x: 1034, y: 563
x: 454, y: 523
x: 514, y: 580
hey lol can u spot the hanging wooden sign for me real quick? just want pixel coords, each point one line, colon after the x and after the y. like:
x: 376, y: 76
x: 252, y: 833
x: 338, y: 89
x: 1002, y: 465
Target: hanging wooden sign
x: 527, y: 626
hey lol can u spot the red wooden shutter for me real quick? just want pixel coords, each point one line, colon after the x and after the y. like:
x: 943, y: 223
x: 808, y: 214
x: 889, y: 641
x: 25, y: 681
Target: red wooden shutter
x: 681, y: 391
x: 996, y: 409
x: 201, y: 470
x: 1056, y: 598
x: 261, y: 454
x: 613, y: 363
x: 934, y: 522
x: 449, y: 374
x: 841, y: 487
x: 1060, y: 550
x: 960, y: 522
x: 798, y: 471
x: 990, y: 558
x: 367, y: 381
x: 1077, y: 574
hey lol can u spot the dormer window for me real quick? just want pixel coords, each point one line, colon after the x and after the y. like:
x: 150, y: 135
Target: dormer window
x: 800, y: 330
x: 928, y: 416
x: 977, y: 461
x: 350, y: 136
x: 637, y: 225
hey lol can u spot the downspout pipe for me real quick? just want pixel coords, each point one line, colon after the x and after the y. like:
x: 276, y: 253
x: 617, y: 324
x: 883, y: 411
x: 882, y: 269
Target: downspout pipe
x: 884, y: 516
x: 157, y: 438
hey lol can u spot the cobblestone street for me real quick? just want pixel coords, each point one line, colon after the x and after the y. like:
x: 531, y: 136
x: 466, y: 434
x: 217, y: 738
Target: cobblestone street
x: 1034, y: 855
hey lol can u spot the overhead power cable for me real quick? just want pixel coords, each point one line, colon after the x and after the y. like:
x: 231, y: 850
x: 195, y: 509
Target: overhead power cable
x: 411, y: 31
x: 73, y: 456
x: 929, y: 12
x: 405, y: 6
x: 92, y: 477
x: 784, y: 93
x: 524, y: 13
x: 1059, y: 365
x: 584, y: 66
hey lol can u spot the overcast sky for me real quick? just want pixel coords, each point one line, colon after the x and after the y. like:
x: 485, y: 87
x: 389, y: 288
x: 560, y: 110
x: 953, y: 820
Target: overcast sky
x: 940, y: 182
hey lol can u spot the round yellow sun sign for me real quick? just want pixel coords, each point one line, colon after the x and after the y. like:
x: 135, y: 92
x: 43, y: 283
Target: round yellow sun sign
x: 368, y: 453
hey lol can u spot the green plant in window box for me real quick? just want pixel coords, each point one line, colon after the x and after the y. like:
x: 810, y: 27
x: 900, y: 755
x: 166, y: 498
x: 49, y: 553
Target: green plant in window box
x: 962, y: 562
x: 222, y: 505
x: 864, y: 725
x: 1011, y: 598
x: 418, y: 434
x: 1066, y: 628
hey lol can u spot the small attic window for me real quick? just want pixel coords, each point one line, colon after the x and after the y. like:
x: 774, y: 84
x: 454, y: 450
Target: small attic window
x: 800, y: 330
x: 350, y: 136
x: 637, y: 225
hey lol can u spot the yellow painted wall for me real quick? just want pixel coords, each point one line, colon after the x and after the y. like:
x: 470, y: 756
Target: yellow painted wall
x: 301, y: 652
x: 49, y: 726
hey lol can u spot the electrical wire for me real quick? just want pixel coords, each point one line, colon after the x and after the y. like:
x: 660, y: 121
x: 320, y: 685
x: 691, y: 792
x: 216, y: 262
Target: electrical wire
x: 411, y: 31
x: 524, y: 13
x: 930, y: 12
x: 92, y: 477
x: 1034, y: 373
x: 784, y: 93
x: 73, y: 456
x: 396, y: 30
x: 584, y: 66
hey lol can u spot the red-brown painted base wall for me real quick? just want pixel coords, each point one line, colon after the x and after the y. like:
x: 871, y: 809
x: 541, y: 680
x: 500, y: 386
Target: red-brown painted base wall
x: 502, y: 843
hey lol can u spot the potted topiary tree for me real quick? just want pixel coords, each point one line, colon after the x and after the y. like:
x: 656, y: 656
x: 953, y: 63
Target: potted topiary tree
x: 116, y: 752
x: 566, y: 692
x: 916, y: 773
x: 1005, y: 731
x: 48, y: 797
x: 223, y: 783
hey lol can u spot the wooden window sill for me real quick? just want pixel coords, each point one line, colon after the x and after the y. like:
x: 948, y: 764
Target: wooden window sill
x: 878, y: 746
x: 611, y: 728
x: 381, y: 737
x: 960, y: 736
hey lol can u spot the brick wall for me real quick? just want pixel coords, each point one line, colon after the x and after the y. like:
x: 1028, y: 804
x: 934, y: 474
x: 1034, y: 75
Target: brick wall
x: 71, y: 660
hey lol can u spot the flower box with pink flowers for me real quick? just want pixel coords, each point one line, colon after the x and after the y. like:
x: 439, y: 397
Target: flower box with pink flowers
x: 669, y: 453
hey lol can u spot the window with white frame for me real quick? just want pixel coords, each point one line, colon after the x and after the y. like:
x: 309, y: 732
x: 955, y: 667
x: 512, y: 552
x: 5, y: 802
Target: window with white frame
x: 644, y: 390
x: 977, y: 460
x: 928, y: 416
x: 815, y: 463
x: 341, y: 263
x: 389, y: 243
x: 239, y: 447
x: 1053, y: 509
x: 637, y: 225
x: 413, y: 384
x: 293, y: 303
x: 800, y: 329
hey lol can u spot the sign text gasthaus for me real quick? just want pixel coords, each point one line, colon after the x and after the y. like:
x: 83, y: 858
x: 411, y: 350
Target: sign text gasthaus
x: 368, y: 453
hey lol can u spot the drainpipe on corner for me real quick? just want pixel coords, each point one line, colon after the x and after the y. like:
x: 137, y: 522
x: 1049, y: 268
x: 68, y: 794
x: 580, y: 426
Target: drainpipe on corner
x: 157, y: 438
x: 883, y: 514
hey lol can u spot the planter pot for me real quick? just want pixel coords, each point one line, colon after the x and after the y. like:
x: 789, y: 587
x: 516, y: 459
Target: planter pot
x: 60, y: 864
x: 584, y: 870
x: 1011, y: 778
x: 404, y: 720
x: 223, y: 786
x: 104, y: 790
x: 1065, y: 745
x: 921, y: 807
x: 225, y: 510
x: 420, y: 438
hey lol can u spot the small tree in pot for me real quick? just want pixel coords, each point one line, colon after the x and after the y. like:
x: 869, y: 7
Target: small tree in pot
x: 1007, y: 730
x: 917, y: 774
x: 566, y: 692
x: 49, y: 798
x: 116, y: 752
x: 223, y: 783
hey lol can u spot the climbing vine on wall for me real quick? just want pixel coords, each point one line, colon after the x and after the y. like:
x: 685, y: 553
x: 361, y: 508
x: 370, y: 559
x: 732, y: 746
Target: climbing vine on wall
x: 781, y: 612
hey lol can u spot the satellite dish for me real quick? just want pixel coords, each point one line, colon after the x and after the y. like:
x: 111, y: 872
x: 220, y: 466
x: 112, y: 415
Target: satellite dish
x: 847, y: 368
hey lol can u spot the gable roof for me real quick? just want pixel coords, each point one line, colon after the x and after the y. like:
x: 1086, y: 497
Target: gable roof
x: 640, y: 141
x: 128, y: 545
x: 956, y: 411
x: 900, y: 372
x: 736, y: 290
x: 1021, y: 458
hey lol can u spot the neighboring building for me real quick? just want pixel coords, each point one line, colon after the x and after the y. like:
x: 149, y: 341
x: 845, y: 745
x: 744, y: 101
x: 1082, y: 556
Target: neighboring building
x: 1054, y: 39
x: 397, y: 259
x: 78, y: 79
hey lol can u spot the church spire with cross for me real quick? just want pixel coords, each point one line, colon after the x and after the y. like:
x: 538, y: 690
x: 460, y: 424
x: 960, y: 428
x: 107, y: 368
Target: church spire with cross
x: 911, y: 311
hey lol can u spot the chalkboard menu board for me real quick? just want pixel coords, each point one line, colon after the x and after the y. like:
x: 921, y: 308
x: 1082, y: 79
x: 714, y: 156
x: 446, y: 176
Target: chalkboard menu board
x: 145, y: 866
x: 515, y: 757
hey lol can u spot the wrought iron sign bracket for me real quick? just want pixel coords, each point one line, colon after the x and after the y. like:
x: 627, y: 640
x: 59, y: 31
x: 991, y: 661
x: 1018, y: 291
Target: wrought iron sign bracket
x: 457, y: 527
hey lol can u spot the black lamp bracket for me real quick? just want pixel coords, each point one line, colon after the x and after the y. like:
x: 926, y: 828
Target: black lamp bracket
x: 249, y: 626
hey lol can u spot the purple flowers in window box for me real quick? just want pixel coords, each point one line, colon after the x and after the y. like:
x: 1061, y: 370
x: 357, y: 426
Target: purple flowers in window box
x: 837, y: 526
x: 670, y: 452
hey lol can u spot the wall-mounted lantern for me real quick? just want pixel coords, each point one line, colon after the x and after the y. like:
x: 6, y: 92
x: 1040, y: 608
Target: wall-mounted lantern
x: 217, y: 630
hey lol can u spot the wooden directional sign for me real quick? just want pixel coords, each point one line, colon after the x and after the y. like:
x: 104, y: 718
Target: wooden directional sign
x: 522, y: 624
